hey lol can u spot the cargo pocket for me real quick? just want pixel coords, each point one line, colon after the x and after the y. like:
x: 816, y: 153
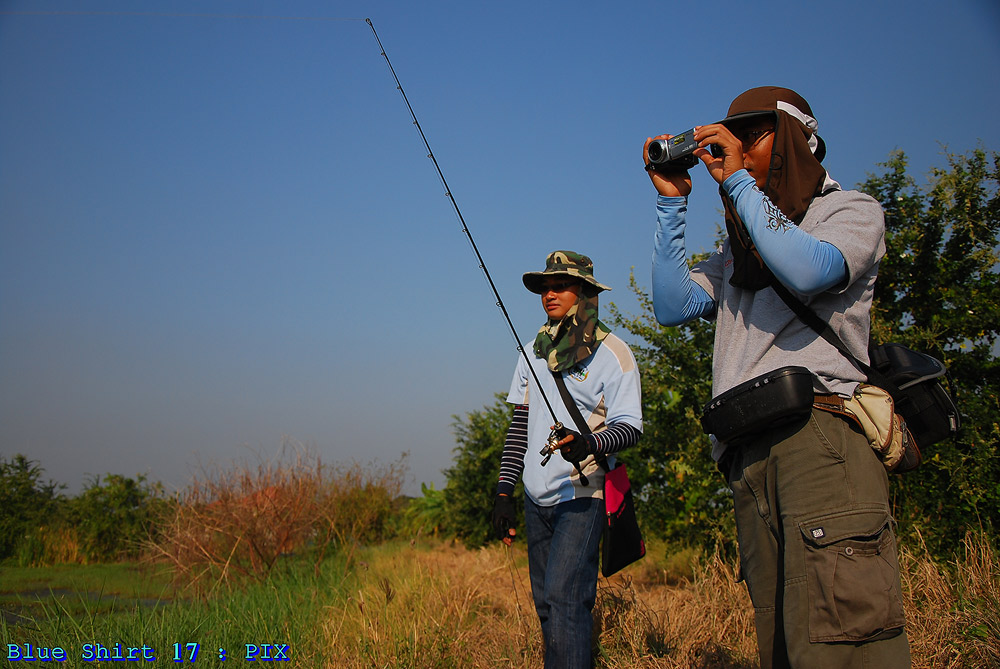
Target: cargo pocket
x: 851, y: 573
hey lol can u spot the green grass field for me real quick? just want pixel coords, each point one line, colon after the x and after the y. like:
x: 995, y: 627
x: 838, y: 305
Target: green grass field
x: 128, y: 606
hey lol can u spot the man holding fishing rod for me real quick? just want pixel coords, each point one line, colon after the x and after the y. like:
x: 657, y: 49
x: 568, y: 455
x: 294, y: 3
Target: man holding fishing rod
x: 813, y: 520
x: 564, y: 504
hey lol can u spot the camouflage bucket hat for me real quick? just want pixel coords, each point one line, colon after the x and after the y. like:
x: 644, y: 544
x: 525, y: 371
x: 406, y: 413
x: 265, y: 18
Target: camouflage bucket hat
x: 563, y: 263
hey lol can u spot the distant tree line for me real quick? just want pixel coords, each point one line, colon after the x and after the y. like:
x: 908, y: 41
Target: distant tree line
x: 109, y: 520
x: 234, y: 522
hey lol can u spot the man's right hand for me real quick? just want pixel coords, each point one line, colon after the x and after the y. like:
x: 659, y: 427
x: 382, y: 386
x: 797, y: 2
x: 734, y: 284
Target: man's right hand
x: 504, y: 518
x: 671, y: 183
x: 728, y: 147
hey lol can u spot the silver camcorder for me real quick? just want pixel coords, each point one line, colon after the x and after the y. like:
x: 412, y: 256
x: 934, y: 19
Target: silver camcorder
x: 676, y: 153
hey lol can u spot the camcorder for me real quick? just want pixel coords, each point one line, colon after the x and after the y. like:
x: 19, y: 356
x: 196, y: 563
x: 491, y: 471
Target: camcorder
x: 676, y: 153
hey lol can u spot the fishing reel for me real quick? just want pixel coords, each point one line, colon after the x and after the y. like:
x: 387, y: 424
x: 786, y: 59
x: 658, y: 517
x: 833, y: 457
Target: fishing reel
x: 552, y: 445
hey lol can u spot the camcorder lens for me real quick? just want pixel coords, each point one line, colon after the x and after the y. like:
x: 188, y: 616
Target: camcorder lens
x: 656, y: 151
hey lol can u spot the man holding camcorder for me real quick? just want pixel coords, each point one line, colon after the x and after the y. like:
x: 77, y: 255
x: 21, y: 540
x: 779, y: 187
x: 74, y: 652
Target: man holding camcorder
x: 815, y: 533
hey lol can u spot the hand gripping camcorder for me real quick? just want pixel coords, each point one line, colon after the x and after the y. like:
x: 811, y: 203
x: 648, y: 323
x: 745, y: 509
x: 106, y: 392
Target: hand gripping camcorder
x: 676, y: 153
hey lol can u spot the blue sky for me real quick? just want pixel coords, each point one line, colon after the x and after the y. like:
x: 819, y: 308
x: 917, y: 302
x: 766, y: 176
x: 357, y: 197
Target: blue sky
x: 219, y: 234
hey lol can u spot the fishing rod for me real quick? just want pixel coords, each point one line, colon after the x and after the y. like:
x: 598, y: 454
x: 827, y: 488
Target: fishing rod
x: 557, y: 429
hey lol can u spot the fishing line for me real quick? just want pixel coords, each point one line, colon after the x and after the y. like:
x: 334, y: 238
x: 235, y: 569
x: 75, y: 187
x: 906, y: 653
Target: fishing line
x: 515, y: 582
x: 558, y: 426
x: 465, y: 228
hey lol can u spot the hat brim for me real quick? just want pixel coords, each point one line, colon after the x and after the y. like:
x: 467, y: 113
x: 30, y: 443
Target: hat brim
x: 743, y: 117
x: 533, y: 280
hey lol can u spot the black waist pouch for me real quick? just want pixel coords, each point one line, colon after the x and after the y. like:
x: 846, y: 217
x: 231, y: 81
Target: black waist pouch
x: 780, y: 396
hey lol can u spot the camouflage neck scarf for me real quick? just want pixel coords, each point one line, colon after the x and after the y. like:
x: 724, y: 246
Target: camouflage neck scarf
x: 564, y: 343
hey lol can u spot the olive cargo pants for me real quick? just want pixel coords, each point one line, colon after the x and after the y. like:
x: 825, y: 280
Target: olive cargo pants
x: 817, y: 547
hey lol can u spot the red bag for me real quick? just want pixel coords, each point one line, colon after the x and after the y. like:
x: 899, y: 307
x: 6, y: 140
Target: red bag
x: 622, y: 542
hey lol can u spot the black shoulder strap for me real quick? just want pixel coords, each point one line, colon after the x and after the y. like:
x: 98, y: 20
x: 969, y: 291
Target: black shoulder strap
x: 823, y: 329
x: 574, y: 412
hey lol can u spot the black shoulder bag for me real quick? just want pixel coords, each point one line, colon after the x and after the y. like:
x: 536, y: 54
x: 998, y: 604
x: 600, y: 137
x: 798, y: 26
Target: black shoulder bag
x: 621, y: 541
x: 911, y: 378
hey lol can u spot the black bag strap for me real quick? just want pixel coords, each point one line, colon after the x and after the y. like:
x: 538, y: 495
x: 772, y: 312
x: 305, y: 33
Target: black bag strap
x: 574, y: 412
x: 823, y: 329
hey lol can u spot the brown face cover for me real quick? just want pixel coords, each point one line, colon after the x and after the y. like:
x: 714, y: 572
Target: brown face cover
x: 796, y: 175
x: 794, y: 178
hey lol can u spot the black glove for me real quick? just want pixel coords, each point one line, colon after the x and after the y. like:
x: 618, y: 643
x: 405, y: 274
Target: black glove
x: 503, y: 516
x: 576, y: 450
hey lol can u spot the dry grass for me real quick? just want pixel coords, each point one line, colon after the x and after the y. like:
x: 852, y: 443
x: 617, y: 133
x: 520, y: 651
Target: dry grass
x: 237, y: 522
x: 647, y: 619
x: 439, y: 605
x: 953, y: 615
x: 443, y: 606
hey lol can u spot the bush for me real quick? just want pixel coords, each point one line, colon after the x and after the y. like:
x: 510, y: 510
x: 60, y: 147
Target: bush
x: 238, y: 522
x: 114, y: 519
x: 26, y: 503
x: 680, y: 494
x: 472, y: 478
x: 424, y: 515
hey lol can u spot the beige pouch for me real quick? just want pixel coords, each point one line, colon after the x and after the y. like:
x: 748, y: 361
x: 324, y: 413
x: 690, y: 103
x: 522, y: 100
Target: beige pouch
x: 885, y: 429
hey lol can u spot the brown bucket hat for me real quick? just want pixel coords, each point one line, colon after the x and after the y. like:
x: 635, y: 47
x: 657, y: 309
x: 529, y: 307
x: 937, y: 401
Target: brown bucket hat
x: 563, y: 263
x: 767, y: 101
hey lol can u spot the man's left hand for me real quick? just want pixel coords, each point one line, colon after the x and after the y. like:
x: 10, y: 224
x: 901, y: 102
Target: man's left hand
x: 574, y: 447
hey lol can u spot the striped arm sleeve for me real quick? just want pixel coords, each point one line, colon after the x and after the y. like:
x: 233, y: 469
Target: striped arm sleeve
x: 613, y: 439
x: 514, y: 448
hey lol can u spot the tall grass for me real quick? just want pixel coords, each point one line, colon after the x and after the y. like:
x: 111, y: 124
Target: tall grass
x: 255, y: 553
x: 236, y: 523
x: 440, y: 605
x: 953, y: 612
x: 285, y: 607
x: 432, y: 604
x: 50, y: 545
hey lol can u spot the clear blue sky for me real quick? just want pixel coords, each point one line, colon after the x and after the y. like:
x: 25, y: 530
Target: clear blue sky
x: 218, y: 233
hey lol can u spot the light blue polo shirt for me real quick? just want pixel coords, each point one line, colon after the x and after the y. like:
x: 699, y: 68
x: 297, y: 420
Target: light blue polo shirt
x: 606, y: 389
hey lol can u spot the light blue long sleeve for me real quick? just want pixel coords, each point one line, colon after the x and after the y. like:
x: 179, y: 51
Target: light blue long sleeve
x: 801, y: 262
x: 676, y: 298
x: 798, y: 260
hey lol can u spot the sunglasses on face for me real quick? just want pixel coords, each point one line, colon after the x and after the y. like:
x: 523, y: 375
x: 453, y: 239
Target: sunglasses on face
x: 751, y: 137
x: 558, y: 286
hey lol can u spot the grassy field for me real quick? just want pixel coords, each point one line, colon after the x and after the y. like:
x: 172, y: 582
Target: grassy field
x: 135, y: 607
x: 429, y: 603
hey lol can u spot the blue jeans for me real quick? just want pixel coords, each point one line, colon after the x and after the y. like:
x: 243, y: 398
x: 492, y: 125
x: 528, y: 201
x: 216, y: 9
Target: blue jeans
x: 563, y: 552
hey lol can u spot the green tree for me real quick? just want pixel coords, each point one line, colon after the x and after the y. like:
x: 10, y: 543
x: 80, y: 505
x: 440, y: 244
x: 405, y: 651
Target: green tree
x: 425, y: 514
x: 471, y: 481
x: 938, y: 291
x: 26, y: 502
x: 681, y: 495
x: 114, y: 519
